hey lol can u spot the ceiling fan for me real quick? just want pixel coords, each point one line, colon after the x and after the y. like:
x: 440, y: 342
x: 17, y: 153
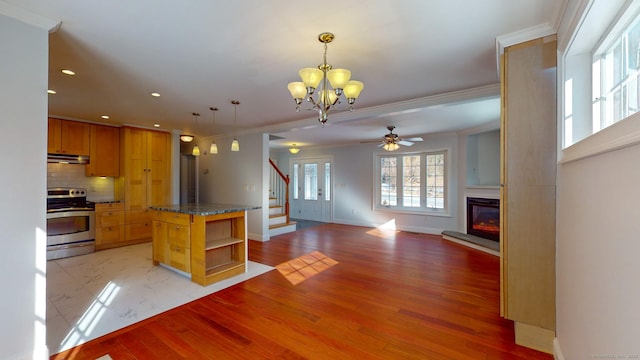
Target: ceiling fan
x: 392, y: 142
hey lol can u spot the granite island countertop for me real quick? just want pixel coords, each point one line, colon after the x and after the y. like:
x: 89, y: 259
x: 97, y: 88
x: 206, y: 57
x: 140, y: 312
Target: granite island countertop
x: 204, y: 208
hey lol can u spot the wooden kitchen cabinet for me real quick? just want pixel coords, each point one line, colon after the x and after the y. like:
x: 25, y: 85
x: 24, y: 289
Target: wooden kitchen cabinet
x: 209, y: 240
x: 104, y: 151
x: 527, y: 194
x: 68, y: 137
x: 172, y: 241
x: 218, y: 247
x: 145, y: 178
x: 109, y: 225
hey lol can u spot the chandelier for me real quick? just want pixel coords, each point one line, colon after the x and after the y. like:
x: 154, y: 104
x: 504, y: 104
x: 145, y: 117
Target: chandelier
x: 328, y: 97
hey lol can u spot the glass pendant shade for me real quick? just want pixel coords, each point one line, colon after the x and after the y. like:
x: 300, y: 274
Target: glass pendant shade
x: 196, y: 151
x: 214, y: 148
x: 353, y: 88
x: 311, y: 77
x: 294, y: 149
x: 332, y: 96
x: 297, y: 90
x: 338, y: 78
x: 235, y: 145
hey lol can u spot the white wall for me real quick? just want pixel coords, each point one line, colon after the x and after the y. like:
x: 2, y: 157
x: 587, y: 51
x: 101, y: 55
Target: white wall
x: 597, y: 255
x: 598, y: 227
x: 353, y: 185
x: 240, y: 178
x: 23, y: 110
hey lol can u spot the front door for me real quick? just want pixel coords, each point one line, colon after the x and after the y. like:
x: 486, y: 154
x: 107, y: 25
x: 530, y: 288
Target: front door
x: 312, y: 189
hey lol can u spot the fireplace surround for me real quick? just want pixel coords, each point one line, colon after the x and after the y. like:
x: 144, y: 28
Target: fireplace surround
x: 483, y: 218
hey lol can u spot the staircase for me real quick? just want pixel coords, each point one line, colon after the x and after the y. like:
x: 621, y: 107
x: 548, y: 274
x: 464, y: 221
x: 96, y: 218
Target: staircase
x: 278, y: 223
x: 279, y: 203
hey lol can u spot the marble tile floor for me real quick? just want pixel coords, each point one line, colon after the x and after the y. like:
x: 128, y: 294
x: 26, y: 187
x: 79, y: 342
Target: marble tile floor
x: 92, y: 295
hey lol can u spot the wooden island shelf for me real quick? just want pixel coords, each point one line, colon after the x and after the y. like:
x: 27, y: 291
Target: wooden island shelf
x: 208, y: 241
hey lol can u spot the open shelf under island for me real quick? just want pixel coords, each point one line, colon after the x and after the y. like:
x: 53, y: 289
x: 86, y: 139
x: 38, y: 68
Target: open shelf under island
x: 208, y: 241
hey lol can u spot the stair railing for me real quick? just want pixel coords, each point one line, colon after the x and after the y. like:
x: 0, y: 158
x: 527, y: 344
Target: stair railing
x: 279, y: 184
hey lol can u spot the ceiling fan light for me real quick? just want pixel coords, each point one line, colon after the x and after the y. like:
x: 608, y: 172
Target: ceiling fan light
x: 338, y: 78
x: 352, y: 89
x: 311, y: 77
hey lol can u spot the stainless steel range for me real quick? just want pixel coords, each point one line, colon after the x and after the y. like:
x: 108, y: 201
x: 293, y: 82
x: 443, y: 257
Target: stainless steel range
x: 70, y: 223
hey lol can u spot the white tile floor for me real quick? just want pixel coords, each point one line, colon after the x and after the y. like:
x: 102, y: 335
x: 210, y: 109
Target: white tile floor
x: 92, y: 295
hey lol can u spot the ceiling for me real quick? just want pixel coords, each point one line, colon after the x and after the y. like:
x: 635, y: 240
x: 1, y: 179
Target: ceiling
x: 429, y: 66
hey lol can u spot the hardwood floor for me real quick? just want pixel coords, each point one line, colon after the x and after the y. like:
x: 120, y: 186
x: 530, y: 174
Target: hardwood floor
x: 391, y: 296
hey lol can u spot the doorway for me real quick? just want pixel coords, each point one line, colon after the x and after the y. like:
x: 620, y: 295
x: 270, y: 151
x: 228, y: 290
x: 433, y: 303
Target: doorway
x: 312, y: 189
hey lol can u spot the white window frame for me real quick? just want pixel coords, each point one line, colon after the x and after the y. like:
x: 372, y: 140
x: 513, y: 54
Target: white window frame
x: 579, y: 121
x: 423, y: 209
x: 605, y: 106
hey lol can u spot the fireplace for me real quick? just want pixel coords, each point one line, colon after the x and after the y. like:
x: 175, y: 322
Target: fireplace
x: 483, y: 218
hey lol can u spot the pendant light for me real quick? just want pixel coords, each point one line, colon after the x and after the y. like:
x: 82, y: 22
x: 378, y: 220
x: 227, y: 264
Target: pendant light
x: 235, y: 145
x: 214, y: 148
x: 196, y: 149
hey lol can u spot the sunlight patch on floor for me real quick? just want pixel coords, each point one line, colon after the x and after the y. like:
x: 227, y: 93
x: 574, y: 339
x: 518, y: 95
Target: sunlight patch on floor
x: 86, y: 324
x: 305, y: 266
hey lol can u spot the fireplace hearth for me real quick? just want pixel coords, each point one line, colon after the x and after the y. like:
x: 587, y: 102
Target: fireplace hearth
x: 483, y: 218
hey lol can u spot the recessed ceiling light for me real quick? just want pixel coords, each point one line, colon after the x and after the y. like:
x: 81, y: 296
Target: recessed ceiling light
x: 155, y: 94
x: 52, y: 92
x: 68, y: 72
x: 156, y: 125
x: 105, y: 117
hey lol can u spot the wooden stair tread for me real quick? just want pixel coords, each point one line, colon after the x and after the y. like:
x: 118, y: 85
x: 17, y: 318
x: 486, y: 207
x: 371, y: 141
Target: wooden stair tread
x: 281, y: 225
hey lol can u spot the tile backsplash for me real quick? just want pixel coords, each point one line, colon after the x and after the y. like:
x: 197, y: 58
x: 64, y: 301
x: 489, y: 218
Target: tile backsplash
x: 73, y: 175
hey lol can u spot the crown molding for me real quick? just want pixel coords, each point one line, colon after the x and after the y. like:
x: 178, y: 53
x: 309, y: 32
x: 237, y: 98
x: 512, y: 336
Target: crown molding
x: 454, y: 97
x: 18, y: 13
x: 521, y: 36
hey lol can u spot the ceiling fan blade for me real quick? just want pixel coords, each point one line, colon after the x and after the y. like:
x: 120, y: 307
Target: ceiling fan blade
x: 405, y: 143
x: 414, y: 139
x: 370, y: 141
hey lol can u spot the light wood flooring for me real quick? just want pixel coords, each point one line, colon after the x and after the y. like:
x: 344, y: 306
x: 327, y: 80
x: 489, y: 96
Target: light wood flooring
x: 391, y: 295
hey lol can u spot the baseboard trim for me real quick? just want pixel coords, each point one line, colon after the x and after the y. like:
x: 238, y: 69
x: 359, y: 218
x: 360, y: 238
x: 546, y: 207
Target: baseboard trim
x: 535, y: 337
x: 557, y: 351
x: 471, y: 245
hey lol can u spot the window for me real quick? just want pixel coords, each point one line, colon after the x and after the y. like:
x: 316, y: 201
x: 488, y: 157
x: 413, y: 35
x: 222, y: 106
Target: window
x: 295, y: 181
x: 311, y: 181
x: 616, y: 75
x: 327, y: 181
x: 412, y: 182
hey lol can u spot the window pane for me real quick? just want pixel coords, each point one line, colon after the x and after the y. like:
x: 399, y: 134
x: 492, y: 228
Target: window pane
x: 411, y: 181
x: 311, y: 181
x: 435, y: 181
x: 295, y: 181
x: 388, y: 180
x: 327, y: 181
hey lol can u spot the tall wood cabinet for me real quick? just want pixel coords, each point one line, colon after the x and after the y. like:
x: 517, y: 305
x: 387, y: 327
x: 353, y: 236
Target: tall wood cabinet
x: 68, y: 137
x: 145, y: 178
x: 528, y: 190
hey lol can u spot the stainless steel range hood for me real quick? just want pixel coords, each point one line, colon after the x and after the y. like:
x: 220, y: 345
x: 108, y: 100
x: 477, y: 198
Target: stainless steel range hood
x: 67, y: 159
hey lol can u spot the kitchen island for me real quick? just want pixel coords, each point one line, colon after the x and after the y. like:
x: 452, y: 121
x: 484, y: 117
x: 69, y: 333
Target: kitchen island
x: 207, y: 241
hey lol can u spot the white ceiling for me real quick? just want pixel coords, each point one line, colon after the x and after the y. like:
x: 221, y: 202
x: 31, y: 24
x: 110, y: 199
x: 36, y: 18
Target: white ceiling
x: 423, y: 62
